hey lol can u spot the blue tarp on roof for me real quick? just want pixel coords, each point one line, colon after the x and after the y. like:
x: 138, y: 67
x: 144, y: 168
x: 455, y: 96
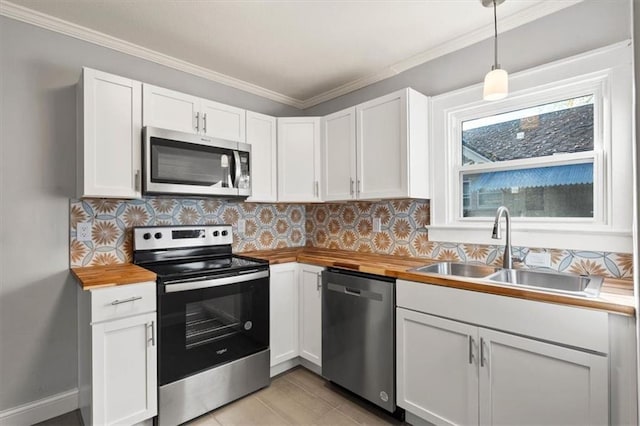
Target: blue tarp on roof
x: 530, y: 178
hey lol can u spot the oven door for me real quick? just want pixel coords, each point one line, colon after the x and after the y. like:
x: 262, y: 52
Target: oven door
x: 182, y: 163
x: 210, y: 321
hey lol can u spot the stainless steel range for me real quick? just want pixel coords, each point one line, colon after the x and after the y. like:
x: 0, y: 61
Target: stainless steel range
x: 213, y: 316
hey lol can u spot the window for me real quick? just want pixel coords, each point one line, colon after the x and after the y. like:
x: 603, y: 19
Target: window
x: 558, y: 152
x: 542, y: 133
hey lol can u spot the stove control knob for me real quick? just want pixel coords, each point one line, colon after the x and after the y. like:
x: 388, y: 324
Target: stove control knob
x: 147, y: 236
x: 158, y: 235
x: 224, y: 233
x: 215, y: 233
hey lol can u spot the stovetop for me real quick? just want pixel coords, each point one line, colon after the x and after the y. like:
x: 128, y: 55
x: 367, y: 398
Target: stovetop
x: 202, y: 267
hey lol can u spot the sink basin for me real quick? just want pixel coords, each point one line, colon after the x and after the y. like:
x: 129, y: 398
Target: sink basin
x: 577, y: 285
x: 458, y: 269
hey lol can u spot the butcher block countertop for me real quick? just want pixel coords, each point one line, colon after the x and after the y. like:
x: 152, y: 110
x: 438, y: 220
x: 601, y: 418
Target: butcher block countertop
x: 91, y: 277
x: 616, y: 295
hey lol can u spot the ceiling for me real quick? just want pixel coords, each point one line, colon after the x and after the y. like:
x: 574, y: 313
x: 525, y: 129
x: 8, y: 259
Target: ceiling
x: 293, y: 51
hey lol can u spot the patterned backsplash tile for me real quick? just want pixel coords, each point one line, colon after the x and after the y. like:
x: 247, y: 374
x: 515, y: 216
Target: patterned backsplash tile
x: 347, y: 226
x: 267, y: 226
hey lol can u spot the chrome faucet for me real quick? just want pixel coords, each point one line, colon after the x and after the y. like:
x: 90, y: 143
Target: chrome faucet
x: 507, y: 259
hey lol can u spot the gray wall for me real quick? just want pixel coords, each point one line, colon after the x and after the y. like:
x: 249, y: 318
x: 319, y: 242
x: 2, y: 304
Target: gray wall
x: 37, y: 129
x: 39, y: 69
x: 585, y: 26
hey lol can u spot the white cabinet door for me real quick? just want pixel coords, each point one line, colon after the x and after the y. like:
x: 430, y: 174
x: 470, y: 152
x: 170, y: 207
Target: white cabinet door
x: 222, y: 121
x: 283, y: 308
x: 172, y: 110
x: 524, y: 380
x: 339, y: 155
x: 299, y: 159
x: 437, y: 376
x: 109, y: 136
x: 382, y: 147
x: 311, y: 313
x: 261, y: 134
x: 124, y: 370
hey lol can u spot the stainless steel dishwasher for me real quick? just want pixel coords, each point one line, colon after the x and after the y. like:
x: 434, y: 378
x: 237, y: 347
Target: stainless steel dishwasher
x: 358, y: 334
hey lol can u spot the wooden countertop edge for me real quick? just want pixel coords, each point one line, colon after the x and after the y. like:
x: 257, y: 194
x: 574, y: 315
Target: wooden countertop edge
x: 386, y: 266
x: 94, y: 277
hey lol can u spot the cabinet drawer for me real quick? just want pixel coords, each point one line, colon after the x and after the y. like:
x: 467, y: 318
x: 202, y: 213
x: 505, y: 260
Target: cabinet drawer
x: 121, y: 301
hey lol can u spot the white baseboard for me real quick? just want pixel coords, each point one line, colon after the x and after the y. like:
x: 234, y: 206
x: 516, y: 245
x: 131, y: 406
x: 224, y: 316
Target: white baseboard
x: 41, y: 410
x: 283, y: 366
x: 292, y: 363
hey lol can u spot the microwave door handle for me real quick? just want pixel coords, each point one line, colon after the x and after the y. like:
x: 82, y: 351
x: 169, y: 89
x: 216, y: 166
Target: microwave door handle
x: 237, y: 168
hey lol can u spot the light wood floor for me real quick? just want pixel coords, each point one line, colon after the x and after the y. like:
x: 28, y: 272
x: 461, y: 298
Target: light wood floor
x: 297, y: 397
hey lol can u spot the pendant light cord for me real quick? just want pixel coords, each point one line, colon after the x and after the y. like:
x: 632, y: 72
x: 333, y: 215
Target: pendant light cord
x: 495, y: 38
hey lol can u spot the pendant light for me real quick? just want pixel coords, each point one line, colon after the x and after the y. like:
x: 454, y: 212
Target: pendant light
x: 496, y: 82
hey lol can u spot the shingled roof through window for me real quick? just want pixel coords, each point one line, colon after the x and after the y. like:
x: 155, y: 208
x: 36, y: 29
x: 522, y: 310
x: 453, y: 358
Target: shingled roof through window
x: 568, y: 130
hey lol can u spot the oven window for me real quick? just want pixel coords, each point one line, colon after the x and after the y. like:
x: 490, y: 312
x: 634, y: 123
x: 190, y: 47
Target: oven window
x: 215, y: 319
x: 203, y: 328
x: 190, y: 164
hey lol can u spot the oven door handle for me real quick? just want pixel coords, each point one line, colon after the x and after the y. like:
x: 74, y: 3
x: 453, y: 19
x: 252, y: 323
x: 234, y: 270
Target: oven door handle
x: 215, y: 282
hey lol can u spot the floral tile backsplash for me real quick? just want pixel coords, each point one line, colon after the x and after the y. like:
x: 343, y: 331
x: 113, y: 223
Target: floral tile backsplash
x: 347, y: 226
x: 267, y: 226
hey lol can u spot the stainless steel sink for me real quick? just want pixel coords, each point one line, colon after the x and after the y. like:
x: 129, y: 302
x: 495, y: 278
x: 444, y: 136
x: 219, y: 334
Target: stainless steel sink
x: 557, y: 282
x: 458, y: 269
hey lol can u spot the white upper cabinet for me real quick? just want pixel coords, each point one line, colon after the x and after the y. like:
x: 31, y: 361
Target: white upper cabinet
x: 299, y: 159
x: 261, y: 134
x: 378, y: 149
x: 392, y: 146
x: 169, y: 109
x: 339, y: 155
x: 109, y: 135
x: 222, y: 121
x: 173, y: 110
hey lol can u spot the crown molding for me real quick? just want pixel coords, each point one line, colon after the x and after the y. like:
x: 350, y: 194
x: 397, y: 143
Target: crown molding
x: 30, y: 16
x: 530, y: 14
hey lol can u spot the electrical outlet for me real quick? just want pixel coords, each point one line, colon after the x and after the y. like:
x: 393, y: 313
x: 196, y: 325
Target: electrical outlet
x: 377, y: 224
x: 83, y: 231
x: 241, y: 226
x: 538, y: 259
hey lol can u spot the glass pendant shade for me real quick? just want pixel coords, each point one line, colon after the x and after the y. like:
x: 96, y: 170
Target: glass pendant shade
x: 496, y: 85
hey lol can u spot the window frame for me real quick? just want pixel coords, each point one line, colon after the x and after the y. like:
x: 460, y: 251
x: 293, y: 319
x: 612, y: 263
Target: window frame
x: 605, y: 73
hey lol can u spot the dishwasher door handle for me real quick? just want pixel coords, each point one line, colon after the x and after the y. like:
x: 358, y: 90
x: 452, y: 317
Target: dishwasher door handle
x: 354, y: 292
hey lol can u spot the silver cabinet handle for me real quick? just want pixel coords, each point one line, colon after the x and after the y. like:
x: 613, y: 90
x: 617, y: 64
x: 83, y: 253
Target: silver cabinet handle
x: 138, y: 181
x: 131, y: 299
x: 197, y: 126
x: 318, y: 281
x: 482, y: 358
x: 152, y: 325
x: 204, y: 123
x: 351, y: 187
x: 357, y: 186
x: 316, y: 190
x: 471, y: 355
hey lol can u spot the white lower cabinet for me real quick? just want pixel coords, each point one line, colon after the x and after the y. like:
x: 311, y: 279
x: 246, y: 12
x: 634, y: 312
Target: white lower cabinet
x: 435, y: 378
x: 453, y: 372
x: 311, y: 313
x: 541, y: 383
x: 117, y: 354
x: 283, y: 309
x: 295, y: 308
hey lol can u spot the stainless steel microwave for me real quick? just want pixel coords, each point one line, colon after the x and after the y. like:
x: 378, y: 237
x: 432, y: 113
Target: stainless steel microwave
x: 187, y: 164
